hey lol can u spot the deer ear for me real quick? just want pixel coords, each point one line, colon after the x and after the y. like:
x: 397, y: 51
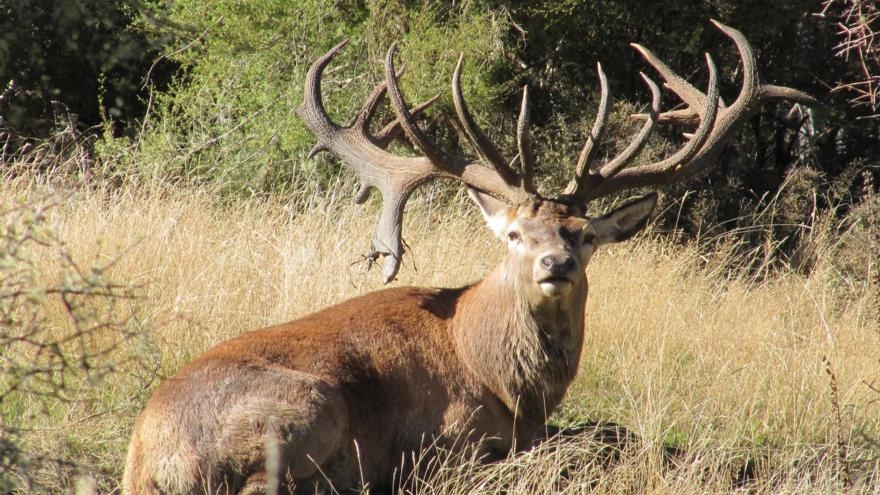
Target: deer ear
x: 497, y: 214
x: 622, y: 223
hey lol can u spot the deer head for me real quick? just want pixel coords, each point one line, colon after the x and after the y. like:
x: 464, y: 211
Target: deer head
x: 549, y: 243
x: 397, y: 176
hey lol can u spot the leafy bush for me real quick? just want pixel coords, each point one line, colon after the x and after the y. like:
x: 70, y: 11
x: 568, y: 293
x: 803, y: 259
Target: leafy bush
x: 229, y: 116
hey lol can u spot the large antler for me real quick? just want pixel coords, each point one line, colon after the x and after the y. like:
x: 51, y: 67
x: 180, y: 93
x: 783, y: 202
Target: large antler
x: 397, y: 176
x: 716, y: 125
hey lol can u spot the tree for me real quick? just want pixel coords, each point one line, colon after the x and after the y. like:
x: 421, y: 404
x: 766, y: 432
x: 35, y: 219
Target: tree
x: 88, y: 57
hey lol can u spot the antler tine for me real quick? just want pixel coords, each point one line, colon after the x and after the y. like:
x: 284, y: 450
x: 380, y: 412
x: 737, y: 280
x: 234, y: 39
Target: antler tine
x: 474, y: 134
x: 405, y: 118
x: 621, y: 160
x: 690, y: 95
x: 751, y: 79
x: 581, y: 169
x: 582, y: 185
x: 751, y: 83
x: 717, y: 122
x: 679, y: 160
x: 371, y: 105
x: 312, y: 108
x: 393, y: 129
x: 524, y: 143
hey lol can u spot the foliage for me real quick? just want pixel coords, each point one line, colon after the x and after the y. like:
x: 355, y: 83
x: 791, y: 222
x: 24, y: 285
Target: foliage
x: 228, y: 118
x: 88, y: 57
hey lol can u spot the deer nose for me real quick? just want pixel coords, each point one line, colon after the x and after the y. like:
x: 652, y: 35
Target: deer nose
x: 558, y: 264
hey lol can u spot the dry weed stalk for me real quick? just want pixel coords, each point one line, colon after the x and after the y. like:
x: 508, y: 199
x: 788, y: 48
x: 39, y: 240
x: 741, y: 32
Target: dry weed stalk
x: 858, y: 22
x: 871, y: 200
x: 842, y: 458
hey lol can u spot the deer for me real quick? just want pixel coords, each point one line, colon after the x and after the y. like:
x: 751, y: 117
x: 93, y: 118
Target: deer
x: 333, y: 401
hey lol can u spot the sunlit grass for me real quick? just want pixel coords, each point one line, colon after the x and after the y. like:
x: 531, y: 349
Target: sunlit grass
x: 724, y: 370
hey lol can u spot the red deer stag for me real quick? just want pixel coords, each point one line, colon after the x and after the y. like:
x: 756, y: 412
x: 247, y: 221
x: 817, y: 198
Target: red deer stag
x: 335, y: 400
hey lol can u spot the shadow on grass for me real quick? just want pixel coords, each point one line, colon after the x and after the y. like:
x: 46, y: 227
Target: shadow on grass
x: 615, y: 444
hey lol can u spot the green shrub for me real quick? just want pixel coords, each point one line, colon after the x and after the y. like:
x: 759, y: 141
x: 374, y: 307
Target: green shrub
x: 228, y: 117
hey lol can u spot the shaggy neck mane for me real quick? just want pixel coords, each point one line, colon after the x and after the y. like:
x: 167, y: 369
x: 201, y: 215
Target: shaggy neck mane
x: 526, y: 355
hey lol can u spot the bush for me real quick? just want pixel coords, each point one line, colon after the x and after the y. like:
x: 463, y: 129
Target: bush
x: 228, y: 117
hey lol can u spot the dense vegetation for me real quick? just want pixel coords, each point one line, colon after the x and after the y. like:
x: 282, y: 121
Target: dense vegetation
x: 136, y: 102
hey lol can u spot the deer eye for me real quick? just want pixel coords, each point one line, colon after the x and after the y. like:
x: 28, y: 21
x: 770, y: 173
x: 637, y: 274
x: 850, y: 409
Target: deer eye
x: 589, y: 238
x: 570, y: 236
x: 513, y: 236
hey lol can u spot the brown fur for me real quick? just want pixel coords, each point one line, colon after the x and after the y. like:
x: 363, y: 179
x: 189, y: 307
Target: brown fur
x: 344, y: 394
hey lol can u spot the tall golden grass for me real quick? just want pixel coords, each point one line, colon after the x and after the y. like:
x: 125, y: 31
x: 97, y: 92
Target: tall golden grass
x: 720, y: 383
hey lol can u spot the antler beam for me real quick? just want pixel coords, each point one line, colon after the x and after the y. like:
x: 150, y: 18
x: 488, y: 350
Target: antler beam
x: 397, y: 176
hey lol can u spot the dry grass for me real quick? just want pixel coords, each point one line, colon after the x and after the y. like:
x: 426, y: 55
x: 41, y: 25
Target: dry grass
x: 729, y: 373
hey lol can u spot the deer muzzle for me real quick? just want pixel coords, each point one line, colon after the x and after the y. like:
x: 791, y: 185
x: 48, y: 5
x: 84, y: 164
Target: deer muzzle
x: 555, y: 272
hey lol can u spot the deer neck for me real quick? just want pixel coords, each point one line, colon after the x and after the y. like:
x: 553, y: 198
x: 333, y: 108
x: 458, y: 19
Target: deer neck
x: 526, y: 353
